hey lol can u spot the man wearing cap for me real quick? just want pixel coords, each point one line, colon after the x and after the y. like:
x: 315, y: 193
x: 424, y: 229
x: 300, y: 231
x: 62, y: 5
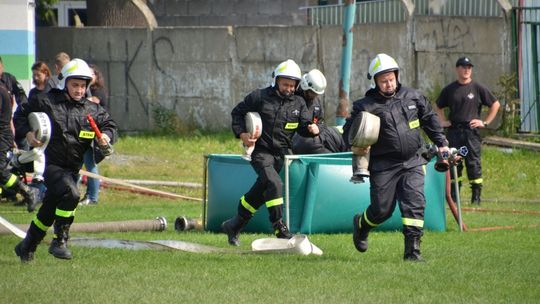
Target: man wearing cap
x: 465, y: 98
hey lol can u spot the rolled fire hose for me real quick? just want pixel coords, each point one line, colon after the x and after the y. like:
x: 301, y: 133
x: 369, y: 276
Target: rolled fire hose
x: 254, y: 128
x: 39, y: 123
x: 298, y: 244
x: 364, y: 133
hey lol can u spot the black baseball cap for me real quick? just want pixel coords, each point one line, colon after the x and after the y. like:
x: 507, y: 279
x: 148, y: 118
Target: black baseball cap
x: 464, y: 61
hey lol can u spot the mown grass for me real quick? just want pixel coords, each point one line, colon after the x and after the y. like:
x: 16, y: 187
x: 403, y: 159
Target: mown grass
x: 498, y: 266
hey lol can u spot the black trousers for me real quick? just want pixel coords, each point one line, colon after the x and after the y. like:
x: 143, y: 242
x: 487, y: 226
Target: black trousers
x: 267, y: 189
x: 459, y: 137
x: 398, y: 184
x: 5, y: 173
x: 61, y: 197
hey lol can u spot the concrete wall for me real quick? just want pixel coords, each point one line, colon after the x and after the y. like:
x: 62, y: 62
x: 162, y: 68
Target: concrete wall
x: 200, y: 73
x: 229, y: 12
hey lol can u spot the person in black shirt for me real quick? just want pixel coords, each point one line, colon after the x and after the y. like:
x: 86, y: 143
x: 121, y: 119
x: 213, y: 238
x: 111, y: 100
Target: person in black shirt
x: 465, y: 98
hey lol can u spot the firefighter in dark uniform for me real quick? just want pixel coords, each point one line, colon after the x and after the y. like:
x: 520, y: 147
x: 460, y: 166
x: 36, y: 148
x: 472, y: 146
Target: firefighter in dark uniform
x: 12, y: 85
x: 9, y: 180
x: 15, y: 90
x: 282, y: 114
x: 329, y: 139
x: 465, y: 98
x: 71, y: 136
x: 396, y: 166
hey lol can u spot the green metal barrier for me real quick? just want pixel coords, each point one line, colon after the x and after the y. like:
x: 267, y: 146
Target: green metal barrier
x: 318, y: 195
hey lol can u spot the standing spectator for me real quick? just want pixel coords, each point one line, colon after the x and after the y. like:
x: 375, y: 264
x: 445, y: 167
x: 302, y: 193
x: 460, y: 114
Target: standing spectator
x: 465, y: 98
x: 93, y: 156
x: 40, y: 77
x: 329, y: 139
x: 395, y: 165
x: 282, y: 114
x: 12, y: 85
x: 60, y: 60
x: 71, y: 136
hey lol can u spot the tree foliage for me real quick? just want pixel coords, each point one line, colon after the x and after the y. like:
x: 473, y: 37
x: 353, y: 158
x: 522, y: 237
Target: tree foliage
x: 44, y: 11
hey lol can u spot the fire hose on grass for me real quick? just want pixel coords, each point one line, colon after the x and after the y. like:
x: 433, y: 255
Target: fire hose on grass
x: 157, y: 224
x: 298, y: 245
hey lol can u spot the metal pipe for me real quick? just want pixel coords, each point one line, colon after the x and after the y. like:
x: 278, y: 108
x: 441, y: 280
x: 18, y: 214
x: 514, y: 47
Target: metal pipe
x: 451, y: 203
x: 346, y: 57
x: 458, y: 199
x: 183, y: 223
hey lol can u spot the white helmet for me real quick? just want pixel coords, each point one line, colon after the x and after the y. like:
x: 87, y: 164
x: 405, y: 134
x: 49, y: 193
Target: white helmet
x: 76, y: 68
x: 287, y: 69
x: 381, y: 64
x: 313, y: 80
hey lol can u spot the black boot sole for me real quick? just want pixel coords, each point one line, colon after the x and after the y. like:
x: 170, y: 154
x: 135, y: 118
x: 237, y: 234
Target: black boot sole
x: 19, y: 253
x: 231, y: 235
x: 361, y: 245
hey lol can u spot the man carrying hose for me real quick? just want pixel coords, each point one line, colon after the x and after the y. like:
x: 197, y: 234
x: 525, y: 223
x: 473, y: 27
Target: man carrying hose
x: 72, y: 134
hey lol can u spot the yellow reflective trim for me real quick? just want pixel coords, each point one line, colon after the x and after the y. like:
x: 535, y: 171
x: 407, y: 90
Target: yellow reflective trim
x: 369, y: 222
x: 72, y: 68
x: 375, y: 66
x: 291, y: 125
x: 11, y: 181
x: 414, y: 124
x: 274, y: 202
x: 412, y: 222
x: 477, y: 181
x: 39, y: 224
x: 424, y: 169
x: 282, y: 67
x: 87, y: 134
x: 246, y: 205
x: 64, y: 213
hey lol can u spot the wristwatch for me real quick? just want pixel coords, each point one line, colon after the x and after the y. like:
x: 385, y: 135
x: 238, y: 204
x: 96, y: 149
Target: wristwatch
x: 485, y: 123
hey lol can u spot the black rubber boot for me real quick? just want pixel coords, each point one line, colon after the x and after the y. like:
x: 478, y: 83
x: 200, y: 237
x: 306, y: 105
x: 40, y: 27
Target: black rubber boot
x: 232, y: 227
x: 280, y: 230
x: 476, y: 190
x: 58, y: 246
x: 30, y: 195
x: 27, y: 247
x: 412, y: 249
x: 360, y: 232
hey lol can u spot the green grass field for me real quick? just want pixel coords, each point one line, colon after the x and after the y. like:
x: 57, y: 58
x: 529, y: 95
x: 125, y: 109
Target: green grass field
x: 498, y: 266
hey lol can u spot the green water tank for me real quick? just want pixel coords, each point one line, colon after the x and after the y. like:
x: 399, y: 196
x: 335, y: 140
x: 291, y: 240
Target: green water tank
x: 321, y: 198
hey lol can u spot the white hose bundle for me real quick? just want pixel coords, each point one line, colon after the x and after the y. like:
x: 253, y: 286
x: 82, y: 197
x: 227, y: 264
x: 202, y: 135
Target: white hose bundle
x: 254, y: 128
x: 41, y: 125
